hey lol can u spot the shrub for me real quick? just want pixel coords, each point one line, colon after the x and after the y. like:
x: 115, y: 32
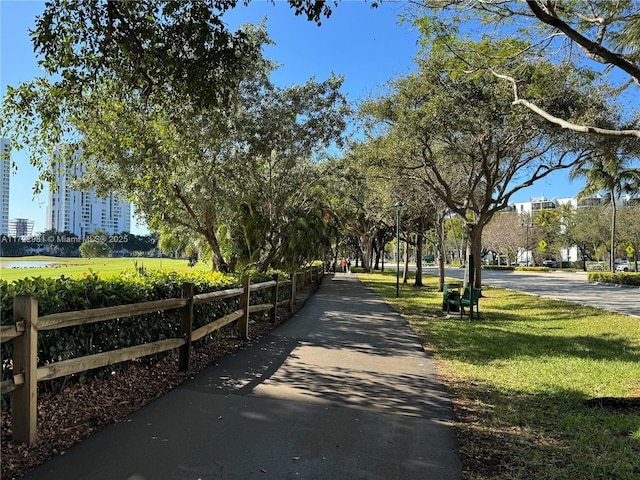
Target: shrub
x: 57, y: 295
x: 618, y: 278
x: 532, y: 269
x: 509, y: 268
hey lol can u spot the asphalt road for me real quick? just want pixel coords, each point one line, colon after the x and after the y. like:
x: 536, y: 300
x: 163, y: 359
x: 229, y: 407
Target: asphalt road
x: 560, y: 285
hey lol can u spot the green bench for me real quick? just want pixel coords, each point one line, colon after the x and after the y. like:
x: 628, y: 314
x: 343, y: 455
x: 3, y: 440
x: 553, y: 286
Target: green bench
x: 452, y: 298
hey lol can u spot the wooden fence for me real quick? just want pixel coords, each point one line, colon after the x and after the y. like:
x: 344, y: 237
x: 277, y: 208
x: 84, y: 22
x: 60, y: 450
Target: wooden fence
x: 24, y: 334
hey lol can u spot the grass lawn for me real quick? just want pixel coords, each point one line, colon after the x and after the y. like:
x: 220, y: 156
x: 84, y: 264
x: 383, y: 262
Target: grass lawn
x: 522, y: 377
x: 77, y: 266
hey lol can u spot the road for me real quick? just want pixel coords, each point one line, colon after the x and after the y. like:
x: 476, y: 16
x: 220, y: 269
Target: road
x: 560, y: 285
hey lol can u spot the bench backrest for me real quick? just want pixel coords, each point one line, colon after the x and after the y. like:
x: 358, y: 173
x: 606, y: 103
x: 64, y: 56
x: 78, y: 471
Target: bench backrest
x: 476, y: 292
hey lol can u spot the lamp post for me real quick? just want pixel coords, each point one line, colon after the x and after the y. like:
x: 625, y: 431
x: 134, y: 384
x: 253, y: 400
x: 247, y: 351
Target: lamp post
x: 398, y: 206
x: 527, y: 225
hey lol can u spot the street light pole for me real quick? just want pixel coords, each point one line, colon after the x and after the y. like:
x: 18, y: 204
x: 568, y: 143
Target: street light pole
x: 398, y: 206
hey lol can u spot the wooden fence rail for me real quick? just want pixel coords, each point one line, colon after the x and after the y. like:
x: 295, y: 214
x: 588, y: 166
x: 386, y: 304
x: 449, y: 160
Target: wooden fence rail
x: 24, y: 334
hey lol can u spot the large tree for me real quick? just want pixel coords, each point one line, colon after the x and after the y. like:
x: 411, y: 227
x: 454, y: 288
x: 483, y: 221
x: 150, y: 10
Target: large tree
x: 246, y: 167
x: 608, y: 171
x: 629, y: 223
x: 587, y: 228
x: 503, y: 235
x: 597, y: 39
x: 156, y: 54
x: 461, y: 138
x: 364, y: 198
x: 191, y: 165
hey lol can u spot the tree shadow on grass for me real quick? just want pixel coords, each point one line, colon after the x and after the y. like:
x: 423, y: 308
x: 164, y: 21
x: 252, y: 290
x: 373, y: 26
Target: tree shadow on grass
x: 511, y: 434
x: 501, y: 334
x: 484, y: 343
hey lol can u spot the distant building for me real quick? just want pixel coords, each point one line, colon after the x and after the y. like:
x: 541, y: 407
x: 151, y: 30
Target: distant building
x: 537, y: 204
x: 81, y: 212
x: 5, y: 173
x: 21, y: 227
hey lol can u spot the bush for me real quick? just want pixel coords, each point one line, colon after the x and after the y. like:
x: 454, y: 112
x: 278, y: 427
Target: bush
x: 509, y: 268
x: 618, y: 278
x: 532, y: 269
x: 58, y: 295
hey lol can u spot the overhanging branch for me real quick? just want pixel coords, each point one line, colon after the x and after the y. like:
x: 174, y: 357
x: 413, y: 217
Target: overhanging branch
x: 559, y: 121
x: 594, y: 50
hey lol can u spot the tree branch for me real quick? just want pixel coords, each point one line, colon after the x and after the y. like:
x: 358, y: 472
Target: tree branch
x: 594, y: 50
x: 559, y: 121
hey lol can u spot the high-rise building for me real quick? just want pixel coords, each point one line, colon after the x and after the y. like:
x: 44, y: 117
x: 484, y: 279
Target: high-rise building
x: 21, y: 227
x: 80, y: 211
x: 5, y: 173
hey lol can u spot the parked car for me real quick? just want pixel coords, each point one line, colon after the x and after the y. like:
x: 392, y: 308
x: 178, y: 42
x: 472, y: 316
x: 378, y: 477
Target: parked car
x: 548, y: 263
x: 625, y: 267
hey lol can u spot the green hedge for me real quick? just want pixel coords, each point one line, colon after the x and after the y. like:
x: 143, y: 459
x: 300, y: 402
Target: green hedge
x: 618, y: 278
x: 57, y: 295
x: 516, y: 268
x: 532, y: 269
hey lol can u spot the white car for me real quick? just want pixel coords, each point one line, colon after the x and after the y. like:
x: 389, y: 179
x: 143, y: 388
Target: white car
x: 624, y: 267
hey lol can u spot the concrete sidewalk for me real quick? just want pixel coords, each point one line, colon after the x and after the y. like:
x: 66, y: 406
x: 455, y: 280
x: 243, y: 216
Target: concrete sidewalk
x: 343, y: 390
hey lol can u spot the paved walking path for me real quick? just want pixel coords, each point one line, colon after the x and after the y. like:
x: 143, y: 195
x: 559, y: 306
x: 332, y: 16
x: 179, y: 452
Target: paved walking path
x: 343, y: 390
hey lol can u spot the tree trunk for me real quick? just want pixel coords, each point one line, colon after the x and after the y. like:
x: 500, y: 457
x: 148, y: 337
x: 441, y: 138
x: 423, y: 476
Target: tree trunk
x: 441, y: 252
x: 365, y: 242
x: 474, y: 247
x: 455, y: 239
x: 614, y: 213
x: 419, y: 242
x: 405, y: 274
x: 218, y: 262
x: 376, y: 255
x: 380, y: 242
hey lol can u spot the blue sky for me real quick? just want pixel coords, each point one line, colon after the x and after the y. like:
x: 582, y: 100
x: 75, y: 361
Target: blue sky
x: 366, y: 45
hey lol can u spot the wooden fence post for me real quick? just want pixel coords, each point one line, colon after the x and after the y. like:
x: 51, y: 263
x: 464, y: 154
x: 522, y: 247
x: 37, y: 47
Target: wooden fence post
x: 243, y: 321
x: 186, y: 327
x: 274, y: 299
x: 292, y: 300
x: 24, y: 402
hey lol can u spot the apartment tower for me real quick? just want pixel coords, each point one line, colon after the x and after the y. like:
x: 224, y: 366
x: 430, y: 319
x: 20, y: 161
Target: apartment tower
x: 5, y: 173
x: 82, y: 211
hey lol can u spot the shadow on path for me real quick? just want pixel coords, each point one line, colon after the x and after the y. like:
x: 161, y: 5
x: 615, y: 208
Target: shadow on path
x: 343, y: 390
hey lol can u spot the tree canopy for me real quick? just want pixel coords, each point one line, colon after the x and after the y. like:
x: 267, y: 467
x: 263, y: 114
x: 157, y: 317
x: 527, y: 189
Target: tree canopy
x: 179, y: 115
x: 152, y: 54
x: 597, y: 39
x: 459, y: 137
